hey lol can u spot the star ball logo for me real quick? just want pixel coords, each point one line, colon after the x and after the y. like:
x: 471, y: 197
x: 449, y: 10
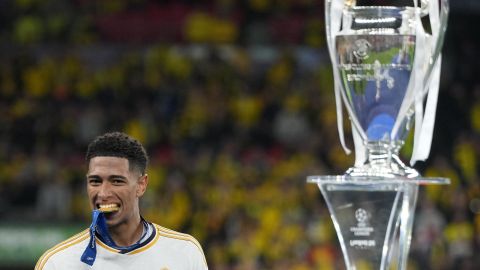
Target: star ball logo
x: 361, y: 49
x: 362, y: 216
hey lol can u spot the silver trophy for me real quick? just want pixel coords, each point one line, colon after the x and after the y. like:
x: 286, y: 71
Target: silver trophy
x: 387, y: 71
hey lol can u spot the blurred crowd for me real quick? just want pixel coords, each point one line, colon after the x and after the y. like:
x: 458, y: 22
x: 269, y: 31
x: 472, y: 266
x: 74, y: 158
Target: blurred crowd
x: 235, y: 106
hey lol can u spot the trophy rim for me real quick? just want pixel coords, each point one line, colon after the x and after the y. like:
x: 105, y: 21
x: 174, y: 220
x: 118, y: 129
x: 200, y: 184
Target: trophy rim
x: 409, y: 9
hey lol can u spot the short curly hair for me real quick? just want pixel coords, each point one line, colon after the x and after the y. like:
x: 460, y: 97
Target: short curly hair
x: 119, y: 144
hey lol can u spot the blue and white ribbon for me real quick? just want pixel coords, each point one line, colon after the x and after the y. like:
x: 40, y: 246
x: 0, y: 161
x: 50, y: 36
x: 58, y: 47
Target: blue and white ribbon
x: 98, y: 224
x: 99, y: 229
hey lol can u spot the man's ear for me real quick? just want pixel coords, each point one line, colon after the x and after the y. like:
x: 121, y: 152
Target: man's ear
x: 142, y: 184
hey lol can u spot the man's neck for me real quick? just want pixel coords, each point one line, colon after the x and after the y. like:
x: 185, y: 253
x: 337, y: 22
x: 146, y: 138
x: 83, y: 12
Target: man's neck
x: 127, y: 234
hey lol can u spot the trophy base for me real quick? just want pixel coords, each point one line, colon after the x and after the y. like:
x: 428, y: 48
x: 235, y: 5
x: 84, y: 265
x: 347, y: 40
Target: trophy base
x: 375, y: 179
x: 382, y: 172
x: 373, y: 216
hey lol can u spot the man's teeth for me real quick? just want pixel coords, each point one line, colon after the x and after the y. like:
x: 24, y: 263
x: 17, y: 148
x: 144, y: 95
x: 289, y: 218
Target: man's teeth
x: 108, y: 207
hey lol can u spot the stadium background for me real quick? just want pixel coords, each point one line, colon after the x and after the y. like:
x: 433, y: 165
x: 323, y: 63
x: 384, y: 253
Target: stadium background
x: 233, y: 100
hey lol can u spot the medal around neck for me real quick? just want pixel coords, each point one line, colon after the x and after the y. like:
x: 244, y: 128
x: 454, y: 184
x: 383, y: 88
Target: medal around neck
x: 386, y: 67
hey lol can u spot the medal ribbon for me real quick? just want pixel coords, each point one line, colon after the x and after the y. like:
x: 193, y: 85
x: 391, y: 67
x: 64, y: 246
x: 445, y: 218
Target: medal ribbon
x: 98, y: 223
x: 99, y: 229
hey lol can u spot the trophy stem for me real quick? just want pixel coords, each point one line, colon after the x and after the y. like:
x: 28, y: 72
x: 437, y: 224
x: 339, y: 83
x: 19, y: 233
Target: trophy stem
x: 382, y: 153
x: 383, y: 161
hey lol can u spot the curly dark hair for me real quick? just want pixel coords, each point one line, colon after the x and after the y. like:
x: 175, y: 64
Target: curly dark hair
x: 119, y: 144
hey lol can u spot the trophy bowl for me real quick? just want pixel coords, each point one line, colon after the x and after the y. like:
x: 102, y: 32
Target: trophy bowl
x: 375, y: 64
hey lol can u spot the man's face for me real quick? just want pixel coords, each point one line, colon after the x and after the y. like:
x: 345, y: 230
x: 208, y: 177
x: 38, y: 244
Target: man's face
x: 110, y: 181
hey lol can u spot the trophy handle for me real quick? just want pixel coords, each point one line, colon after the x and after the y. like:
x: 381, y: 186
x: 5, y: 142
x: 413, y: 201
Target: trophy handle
x: 425, y: 117
x: 333, y: 20
x: 333, y: 17
x: 438, y: 33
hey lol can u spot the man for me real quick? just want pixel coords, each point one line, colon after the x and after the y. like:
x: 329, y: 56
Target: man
x: 119, y: 238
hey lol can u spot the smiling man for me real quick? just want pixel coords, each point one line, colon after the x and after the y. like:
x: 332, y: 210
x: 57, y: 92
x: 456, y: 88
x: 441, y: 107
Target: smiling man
x: 119, y: 238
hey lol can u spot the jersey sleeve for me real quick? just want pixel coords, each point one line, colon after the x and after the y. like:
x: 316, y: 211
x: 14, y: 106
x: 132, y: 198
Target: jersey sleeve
x: 198, y: 258
x: 44, y: 264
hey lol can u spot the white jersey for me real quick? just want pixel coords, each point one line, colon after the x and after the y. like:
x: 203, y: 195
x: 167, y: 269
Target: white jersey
x: 167, y: 250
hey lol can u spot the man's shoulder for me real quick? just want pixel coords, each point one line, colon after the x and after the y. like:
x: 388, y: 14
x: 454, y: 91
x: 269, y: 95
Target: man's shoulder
x: 70, y: 246
x: 184, y: 244
x: 176, y: 236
